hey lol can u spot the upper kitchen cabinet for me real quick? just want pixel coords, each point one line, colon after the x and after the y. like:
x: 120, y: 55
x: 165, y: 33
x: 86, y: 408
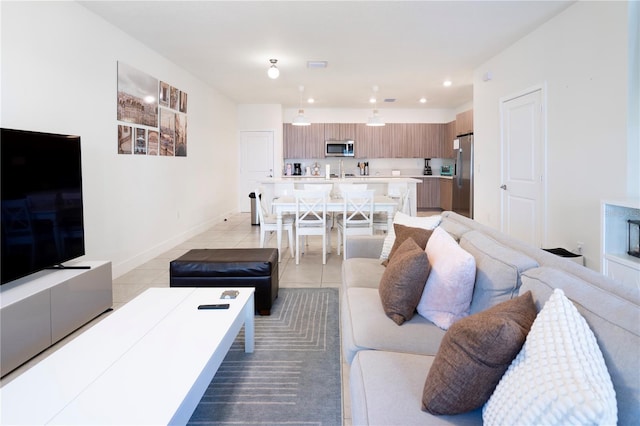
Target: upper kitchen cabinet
x: 303, y: 141
x: 447, y: 141
x: 370, y: 142
x: 339, y: 131
x: 424, y: 140
x: 394, y: 136
x: 464, y: 123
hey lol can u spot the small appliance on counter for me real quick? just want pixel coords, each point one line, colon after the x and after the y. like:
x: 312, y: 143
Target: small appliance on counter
x: 446, y: 171
x: 288, y: 170
x: 297, y: 169
x: 364, y: 168
x: 427, y: 167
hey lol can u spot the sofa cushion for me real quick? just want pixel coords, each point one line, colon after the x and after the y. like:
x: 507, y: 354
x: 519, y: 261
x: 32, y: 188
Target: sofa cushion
x: 361, y: 272
x: 403, y: 280
x: 366, y: 326
x: 424, y: 222
x: 386, y: 389
x: 419, y: 235
x: 559, y: 376
x: 454, y: 228
x: 614, y: 320
x: 474, y: 354
x: 498, y: 270
x: 447, y: 295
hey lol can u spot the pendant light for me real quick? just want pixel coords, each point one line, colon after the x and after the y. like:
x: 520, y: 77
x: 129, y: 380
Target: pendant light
x: 375, y: 119
x: 300, y: 119
x: 273, y: 71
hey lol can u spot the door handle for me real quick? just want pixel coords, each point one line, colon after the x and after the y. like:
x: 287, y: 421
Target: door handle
x: 503, y: 187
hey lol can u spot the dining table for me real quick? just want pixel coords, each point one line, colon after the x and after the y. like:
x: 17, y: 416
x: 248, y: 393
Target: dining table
x: 287, y: 204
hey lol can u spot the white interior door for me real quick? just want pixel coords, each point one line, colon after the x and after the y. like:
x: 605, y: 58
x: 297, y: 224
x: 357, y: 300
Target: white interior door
x: 256, y: 159
x: 523, y: 171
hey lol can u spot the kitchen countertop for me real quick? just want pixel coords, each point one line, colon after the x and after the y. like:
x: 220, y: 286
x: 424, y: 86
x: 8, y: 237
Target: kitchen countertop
x: 373, y: 179
x: 370, y: 178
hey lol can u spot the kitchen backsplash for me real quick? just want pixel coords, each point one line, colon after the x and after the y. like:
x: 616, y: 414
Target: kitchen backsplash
x: 377, y: 166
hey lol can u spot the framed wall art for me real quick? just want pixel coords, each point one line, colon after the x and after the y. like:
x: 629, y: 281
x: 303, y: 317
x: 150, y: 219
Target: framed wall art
x: 151, y: 114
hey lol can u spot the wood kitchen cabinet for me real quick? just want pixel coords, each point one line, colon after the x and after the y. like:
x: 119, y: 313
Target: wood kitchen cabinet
x: 394, y: 135
x: 447, y: 141
x: 446, y: 194
x: 339, y: 131
x: 369, y: 142
x: 464, y: 123
x: 424, y: 140
x: 303, y: 141
x: 428, y: 193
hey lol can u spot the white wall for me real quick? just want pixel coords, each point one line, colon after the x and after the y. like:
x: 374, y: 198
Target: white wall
x: 581, y: 57
x: 59, y: 74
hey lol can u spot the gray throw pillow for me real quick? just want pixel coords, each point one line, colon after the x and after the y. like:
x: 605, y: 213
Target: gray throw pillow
x: 403, y: 281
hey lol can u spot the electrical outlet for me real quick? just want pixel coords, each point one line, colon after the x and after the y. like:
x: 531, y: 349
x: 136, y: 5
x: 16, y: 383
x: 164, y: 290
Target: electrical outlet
x: 579, y: 246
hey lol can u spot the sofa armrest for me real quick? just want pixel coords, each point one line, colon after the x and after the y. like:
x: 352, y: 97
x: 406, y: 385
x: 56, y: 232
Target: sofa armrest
x: 369, y: 246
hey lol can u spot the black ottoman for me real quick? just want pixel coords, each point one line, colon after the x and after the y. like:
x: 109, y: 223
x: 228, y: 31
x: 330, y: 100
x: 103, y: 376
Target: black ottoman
x: 234, y: 267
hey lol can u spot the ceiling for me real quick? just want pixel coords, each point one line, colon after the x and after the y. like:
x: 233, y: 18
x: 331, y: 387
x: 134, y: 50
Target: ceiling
x: 406, y: 48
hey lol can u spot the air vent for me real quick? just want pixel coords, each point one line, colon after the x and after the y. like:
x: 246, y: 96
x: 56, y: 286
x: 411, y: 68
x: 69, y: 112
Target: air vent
x: 317, y: 64
x: 390, y: 100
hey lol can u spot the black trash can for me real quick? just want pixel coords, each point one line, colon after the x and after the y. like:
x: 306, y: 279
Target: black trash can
x: 255, y: 217
x: 578, y: 258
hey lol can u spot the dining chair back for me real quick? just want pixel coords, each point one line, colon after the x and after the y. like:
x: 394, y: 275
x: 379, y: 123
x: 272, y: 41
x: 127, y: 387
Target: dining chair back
x: 268, y: 222
x: 401, y: 195
x: 311, y: 218
x: 357, y: 216
x: 344, y: 187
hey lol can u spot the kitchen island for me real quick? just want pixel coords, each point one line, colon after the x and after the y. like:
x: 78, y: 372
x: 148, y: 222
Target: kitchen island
x: 275, y: 187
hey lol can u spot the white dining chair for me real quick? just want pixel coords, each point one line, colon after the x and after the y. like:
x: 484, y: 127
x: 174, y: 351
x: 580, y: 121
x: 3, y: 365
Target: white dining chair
x: 380, y: 222
x: 328, y: 187
x: 351, y: 187
x: 311, y: 219
x: 268, y: 223
x: 357, y: 216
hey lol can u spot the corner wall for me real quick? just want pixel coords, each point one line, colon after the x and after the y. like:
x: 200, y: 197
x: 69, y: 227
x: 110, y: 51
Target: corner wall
x: 59, y: 75
x: 581, y: 57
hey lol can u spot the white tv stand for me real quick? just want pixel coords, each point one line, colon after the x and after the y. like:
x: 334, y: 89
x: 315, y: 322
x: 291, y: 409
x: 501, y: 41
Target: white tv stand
x: 39, y: 310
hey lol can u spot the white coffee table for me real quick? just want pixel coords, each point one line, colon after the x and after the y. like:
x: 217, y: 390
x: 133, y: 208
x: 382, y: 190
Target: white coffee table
x: 148, y: 362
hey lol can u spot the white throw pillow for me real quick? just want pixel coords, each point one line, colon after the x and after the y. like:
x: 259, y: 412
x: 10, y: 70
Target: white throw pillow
x: 424, y: 222
x: 447, y: 295
x: 559, y: 376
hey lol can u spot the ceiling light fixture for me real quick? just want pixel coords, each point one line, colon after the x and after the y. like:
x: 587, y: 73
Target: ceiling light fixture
x: 273, y: 71
x: 300, y: 119
x: 447, y: 83
x: 423, y: 100
x: 375, y: 119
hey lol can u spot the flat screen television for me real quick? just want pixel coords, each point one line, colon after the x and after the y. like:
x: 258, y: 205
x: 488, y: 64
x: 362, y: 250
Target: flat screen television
x: 42, y: 214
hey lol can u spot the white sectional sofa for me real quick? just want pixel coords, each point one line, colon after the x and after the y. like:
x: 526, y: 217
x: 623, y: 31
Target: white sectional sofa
x: 389, y: 363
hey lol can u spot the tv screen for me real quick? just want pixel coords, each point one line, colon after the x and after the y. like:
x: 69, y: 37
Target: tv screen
x: 42, y: 214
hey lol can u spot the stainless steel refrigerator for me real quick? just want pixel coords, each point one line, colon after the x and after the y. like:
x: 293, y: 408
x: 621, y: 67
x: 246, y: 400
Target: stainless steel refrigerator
x: 463, y: 176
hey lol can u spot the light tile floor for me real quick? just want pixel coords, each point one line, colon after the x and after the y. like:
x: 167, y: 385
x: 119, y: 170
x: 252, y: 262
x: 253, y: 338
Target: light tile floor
x: 236, y: 231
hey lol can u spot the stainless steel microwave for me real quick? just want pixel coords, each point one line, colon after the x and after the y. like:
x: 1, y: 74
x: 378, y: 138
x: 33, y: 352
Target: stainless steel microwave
x: 338, y: 149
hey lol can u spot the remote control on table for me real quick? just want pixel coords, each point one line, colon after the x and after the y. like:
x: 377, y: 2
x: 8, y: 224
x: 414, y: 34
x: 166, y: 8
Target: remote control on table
x: 215, y: 306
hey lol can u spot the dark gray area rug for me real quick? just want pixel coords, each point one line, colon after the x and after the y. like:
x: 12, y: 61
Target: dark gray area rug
x: 293, y: 376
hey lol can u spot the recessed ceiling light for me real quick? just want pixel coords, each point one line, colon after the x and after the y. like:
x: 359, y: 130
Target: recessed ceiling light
x: 311, y: 100
x: 447, y: 83
x: 372, y: 100
x: 423, y: 100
